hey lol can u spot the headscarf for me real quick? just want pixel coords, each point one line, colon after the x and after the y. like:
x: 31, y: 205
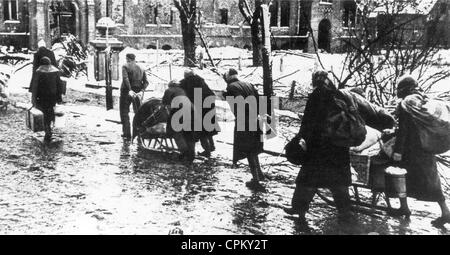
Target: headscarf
x: 320, y: 79
x: 407, y: 85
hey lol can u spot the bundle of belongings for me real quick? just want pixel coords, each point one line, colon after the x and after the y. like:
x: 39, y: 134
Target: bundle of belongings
x: 432, y: 119
x: 150, y: 119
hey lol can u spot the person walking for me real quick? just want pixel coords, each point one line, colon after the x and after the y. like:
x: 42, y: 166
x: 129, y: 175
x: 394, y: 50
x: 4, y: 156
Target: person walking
x: 134, y: 80
x: 42, y: 52
x: 191, y: 83
x: 46, y: 92
x: 325, y: 164
x: 422, y: 180
x: 184, y: 139
x: 247, y: 143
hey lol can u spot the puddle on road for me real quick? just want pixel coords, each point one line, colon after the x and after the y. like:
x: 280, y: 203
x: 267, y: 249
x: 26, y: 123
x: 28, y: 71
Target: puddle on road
x: 88, y: 181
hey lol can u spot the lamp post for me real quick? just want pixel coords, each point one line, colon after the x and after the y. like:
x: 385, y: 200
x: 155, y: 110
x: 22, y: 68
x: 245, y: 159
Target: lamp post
x: 105, y: 47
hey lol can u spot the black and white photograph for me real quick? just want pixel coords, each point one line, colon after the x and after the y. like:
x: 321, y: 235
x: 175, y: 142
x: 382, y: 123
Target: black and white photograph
x: 224, y: 117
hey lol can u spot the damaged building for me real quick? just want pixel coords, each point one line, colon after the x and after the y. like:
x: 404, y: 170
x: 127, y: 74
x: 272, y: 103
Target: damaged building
x: 156, y: 23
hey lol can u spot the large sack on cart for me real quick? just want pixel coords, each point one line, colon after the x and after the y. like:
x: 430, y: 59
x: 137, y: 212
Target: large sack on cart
x: 432, y: 119
x: 151, y: 116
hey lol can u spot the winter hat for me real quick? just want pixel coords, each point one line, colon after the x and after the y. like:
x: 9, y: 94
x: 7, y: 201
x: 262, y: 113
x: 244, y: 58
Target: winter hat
x: 405, y: 85
x: 131, y: 56
x: 320, y: 77
x: 231, y: 74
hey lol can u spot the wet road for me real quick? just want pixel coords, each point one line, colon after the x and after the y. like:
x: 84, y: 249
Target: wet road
x: 88, y: 181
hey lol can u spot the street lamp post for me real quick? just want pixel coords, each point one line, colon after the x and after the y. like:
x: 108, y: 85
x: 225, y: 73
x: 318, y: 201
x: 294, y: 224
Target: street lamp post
x: 105, y: 47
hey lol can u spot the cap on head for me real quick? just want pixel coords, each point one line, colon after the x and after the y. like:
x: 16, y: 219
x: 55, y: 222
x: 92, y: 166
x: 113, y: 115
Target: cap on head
x: 45, y: 61
x: 232, y: 73
x: 42, y: 43
x: 131, y: 56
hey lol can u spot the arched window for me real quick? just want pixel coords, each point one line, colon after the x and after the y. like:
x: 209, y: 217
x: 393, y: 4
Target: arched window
x: 10, y: 10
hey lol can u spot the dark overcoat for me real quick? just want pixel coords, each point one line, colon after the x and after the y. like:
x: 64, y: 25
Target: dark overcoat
x: 189, y: 84
x: 42, y: 52
x: 46, y: 89
x: 169, y: 95
x: 325, y: 164
x: 247, y: 141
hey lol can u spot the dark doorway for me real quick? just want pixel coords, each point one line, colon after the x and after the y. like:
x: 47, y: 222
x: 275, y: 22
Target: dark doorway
x: 224, y: 16
x: 324, y: 38
x: 62, y: 18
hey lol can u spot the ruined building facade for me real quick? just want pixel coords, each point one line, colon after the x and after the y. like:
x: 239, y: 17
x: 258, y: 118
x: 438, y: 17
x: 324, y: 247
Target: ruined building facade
x: 156, y: 23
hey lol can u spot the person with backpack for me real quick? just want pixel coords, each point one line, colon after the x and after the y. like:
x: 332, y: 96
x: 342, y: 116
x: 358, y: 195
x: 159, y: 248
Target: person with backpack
x: 46, y: 92
x: 326, y: 159
x: 134, y: 81
x: 42, y: 52
x: 411, y: 150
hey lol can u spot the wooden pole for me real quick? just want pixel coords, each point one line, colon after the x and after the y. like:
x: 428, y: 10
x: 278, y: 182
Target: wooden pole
x: 108, y: 84
x: 266, y: 50
x: 267, y: 62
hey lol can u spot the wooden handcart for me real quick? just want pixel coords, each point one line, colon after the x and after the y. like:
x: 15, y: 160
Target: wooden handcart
x: 368, y: 190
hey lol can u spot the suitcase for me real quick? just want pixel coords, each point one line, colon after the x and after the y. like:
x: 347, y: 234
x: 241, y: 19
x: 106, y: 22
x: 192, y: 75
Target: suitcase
x: 35, y: 119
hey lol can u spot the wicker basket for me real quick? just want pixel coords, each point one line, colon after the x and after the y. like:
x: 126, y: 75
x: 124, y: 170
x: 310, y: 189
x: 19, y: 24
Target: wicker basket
x: 361, y: 164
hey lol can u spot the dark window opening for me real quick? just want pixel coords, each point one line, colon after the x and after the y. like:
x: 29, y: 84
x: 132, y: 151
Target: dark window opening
x: 285, y: 13
x: 273, y: 9
x: 166, y: 47
x: 349, y: 14
x: 305, y: 17
x: 10, y: 10
x: 224, y: 16
x: 155, y: 15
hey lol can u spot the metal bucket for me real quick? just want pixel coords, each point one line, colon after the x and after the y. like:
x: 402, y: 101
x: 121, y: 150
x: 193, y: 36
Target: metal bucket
x: 395, y: 182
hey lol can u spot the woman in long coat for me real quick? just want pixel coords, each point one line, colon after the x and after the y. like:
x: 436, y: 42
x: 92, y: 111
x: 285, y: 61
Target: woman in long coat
x: 325, y: 165
x: 46, y: 92
x: 247, y: 143
x: 422, y: 180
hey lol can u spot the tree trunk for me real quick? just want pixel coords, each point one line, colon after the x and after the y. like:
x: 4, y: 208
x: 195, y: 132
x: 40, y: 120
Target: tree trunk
x: 256, y: 43
x: 253, y: 19
x: 188, y: 32
x: 266, y: 51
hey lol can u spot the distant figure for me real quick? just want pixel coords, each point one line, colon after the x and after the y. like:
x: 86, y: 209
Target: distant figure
x: 46, y: 92
x: 134, y: 81
x: 422, y: 181
x: 247, y: 143
x: 43, y: 51
x: 190, y: 83
x: 184, y: 139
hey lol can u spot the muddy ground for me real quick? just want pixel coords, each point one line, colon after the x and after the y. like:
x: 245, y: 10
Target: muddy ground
x: 89, y: 181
